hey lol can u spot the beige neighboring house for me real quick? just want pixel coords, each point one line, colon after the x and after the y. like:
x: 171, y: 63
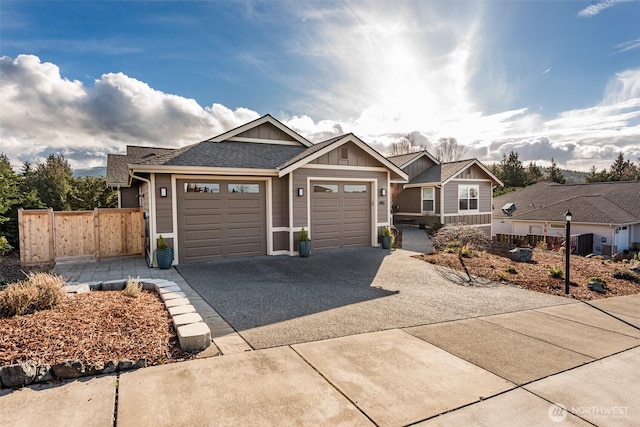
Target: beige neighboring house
x: 445, y: 193
x: 250, y: 190
x: 608, y: 210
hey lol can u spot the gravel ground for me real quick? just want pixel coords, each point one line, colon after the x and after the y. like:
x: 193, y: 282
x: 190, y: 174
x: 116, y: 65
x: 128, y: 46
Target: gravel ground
x: 274, y: 301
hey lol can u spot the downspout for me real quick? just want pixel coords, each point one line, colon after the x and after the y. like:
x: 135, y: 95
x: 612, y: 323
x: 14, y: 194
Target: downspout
x: 152, y: 222
x: 441, y: 187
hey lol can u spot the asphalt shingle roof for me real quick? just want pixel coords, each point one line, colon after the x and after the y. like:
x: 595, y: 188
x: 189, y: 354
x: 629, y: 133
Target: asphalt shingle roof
x: 117, y: 171
x: 402, y: 159
x: 441, y: 172
x: 599, y: 203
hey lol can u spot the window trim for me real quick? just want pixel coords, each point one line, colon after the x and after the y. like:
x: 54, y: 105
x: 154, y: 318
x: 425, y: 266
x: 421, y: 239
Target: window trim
x: 433, y: 199
x: 469, y: 198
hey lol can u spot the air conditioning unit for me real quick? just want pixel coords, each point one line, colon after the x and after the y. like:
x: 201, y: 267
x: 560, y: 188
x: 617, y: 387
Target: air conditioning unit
x: 509, y: 209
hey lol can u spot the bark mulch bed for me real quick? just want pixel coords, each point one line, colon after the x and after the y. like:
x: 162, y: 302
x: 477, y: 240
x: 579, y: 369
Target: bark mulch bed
x: 94, y: 328
x: 534, y: 275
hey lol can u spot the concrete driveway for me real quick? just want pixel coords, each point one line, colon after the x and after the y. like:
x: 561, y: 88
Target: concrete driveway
x: 274, y: 301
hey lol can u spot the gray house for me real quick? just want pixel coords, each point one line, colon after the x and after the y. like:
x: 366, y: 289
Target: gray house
x: 608, y: 210
x: 250, y: 190
x: 445, y: 193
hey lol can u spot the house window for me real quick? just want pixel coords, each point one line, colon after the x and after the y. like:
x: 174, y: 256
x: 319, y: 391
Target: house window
x: 325, y: 188
x: 355, y: 188
x: 427, y: 200
x: 344, y: 153
x: 243, y: 188
x: 468, y: 197
x: 200, y: 187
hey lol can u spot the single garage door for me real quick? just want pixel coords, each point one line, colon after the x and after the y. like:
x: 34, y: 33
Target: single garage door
x: 340, y: 215
x: 220, y: 219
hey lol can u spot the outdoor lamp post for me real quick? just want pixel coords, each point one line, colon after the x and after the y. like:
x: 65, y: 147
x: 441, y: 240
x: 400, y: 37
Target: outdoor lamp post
x: 567, y: 251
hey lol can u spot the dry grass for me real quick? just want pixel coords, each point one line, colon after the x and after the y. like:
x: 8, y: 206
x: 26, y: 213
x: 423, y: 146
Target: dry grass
x: 133, y: 288
x: 41, y: 291
x: 535, y: 275
x: 95, y: 328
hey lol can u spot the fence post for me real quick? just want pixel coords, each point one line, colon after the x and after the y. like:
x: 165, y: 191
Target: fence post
x: 21, y: 235
x: 52, y: 235
x: 96, y: 231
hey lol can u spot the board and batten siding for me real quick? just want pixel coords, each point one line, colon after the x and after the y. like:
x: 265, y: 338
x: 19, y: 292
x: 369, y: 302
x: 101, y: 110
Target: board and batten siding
x: 408, y: 200
x: 265, y: 131
x: 129, y: 197
x: 164, y: 210
x: 418, y: 166
x: 300, y: 180
x: 356, y: 157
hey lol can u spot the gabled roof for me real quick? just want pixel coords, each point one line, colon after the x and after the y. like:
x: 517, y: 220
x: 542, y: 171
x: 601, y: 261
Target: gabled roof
x: 404, y: 160
x: 442, y: 173
x: 267, y: 118
x: 608, y: 203
x: 324, y: 147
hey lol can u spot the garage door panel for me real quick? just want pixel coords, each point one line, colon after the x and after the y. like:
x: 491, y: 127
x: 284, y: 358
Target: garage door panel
x: 204, y: 235
x: 222, y: 224
x: 341, y: 219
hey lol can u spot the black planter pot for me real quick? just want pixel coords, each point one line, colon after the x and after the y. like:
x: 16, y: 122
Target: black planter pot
x: 164, y: 257
x: 304, y: 247
x: 386, y: 242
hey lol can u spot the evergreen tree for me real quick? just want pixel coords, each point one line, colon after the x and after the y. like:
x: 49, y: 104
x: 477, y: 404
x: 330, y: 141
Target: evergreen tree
x: 52, y: 181
x: 554, y: 174
x: 511, y: 171
x: 91, y: 192
x: 534, y: 173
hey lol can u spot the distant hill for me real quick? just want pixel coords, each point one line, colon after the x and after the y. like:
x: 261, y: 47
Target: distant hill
x: 97, y: 171
x: 572, y: 177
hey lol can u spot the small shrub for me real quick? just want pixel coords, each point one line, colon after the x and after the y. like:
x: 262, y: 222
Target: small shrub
x: 303, y: 236
x: 41, y: 291
x: 599, y: 257
x: 626, y: 275
x: 542, y: 246
x: 504, y: 276
x: 5, y: 247
x: 450, y: 250
x: 596, y: 279
x: 133, y: 288
x: 555, y: 272
x: 459, y: 235
x: 162, y: 243
x: 386, y: 232
x: 625, y: 261
x: 510, y: 269
x: 466, y: 251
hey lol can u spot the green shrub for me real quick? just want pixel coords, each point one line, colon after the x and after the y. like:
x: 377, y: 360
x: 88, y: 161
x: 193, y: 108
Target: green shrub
x: 162, y: 243
x: 5, y: 247
x: 466, y: 251
x: 41, y: 291
x: 510, y: 269
x: 598, y: 280
x: 133, y: 288
x: 555, y: 272
x: 626, y: 275
x: 303, y: 236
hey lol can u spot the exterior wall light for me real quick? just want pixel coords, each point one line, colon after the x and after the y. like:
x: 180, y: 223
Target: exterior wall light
x: 383, y: 192
x: 163, y: 191
x: 300, y: 191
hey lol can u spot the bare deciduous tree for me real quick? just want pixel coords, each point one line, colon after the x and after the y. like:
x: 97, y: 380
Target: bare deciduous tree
x: 448, y: 150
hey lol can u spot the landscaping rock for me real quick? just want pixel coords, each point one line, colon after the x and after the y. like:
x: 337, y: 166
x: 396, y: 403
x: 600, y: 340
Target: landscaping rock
x: 125, y: 365
x: 635, y: 269
x: 194, y: 337
x: 114, y: 285
x: 43, y: 373
x: 18, y: 375
x: 68, y: 369
x: 521, y: 254
x: 96, y: 368
x: 142, y: 363
x: 110, y: 367
x: 76, y: 289
x: 597, y: 286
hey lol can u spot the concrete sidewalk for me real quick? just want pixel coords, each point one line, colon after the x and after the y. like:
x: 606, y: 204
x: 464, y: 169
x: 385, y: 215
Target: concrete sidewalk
x: 562, y: 365
x: 416, y: 240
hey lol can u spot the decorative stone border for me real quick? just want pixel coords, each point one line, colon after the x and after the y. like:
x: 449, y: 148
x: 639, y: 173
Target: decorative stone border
x: 193, y: 334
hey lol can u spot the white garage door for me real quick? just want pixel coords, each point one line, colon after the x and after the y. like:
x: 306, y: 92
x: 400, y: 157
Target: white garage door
x: 340, y: 215
x: 220, y: 219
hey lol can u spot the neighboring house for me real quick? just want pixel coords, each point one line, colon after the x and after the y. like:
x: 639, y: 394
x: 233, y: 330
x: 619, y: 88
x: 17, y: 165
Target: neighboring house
x: 250, y: 190
x: 609, y: 210
x: 445, y: 193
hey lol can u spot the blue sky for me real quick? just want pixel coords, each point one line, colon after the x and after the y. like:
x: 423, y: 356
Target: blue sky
x: 548, y: 79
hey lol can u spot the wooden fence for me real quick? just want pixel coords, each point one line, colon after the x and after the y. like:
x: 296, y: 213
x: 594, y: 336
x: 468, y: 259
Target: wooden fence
x: 47, y: 235
x: 581, y: 244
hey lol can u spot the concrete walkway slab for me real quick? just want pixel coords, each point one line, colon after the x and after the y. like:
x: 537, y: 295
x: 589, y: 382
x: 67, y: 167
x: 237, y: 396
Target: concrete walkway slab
x: 514, y: 408
x: 506, y: 353
x: 397, y: 379
x: 626, y: 308
x: 85, y: 402
x: 264, y: 388
x: 578, y: 337
x: 582, y: 313
x: 604, y: 392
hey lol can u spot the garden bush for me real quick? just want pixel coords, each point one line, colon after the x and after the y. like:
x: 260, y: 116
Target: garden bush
x: 41, y: 291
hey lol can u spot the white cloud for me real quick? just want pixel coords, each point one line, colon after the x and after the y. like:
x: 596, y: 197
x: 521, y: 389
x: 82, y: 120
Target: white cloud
x: 627, y: 46
x: 596, y: 8
x: 44, y: 113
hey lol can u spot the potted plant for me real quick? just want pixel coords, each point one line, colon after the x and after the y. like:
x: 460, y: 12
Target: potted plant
x: 387, y: 238
x: 164, y: 253
x: 304, y: 244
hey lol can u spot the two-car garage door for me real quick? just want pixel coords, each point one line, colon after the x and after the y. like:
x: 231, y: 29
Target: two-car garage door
x: 340, y: 215
x: 221, y: 219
